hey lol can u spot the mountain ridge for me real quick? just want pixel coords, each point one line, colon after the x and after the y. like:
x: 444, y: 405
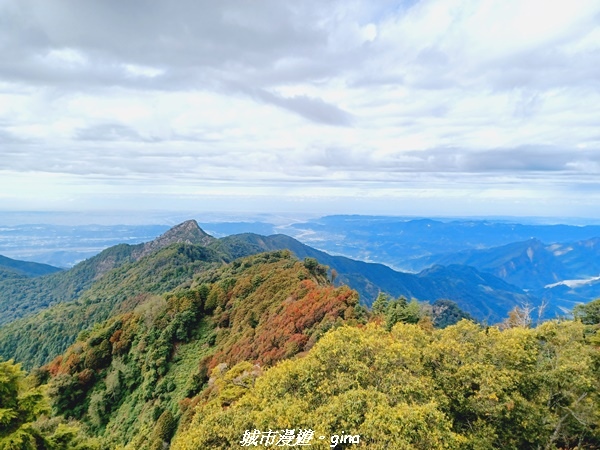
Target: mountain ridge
x: 371, y: 278
x: 367, y: 278
x: 396, y: 240
x: 67, y: 285
x: 561, y: 274
x: 27, y: 268
x: 116, y: 282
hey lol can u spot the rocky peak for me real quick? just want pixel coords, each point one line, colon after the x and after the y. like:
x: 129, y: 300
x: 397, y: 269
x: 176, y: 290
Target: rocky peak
x: 188, y: 232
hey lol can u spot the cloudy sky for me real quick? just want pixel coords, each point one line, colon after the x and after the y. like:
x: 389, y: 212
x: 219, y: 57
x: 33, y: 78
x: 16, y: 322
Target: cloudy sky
x: 431, y: 107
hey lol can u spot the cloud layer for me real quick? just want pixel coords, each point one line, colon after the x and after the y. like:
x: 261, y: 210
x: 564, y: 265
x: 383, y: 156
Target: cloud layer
x: 493, y: 104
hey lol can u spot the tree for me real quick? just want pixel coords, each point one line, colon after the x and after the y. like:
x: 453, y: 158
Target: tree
x: 446, y: 313
x: 401, y: 310
x: 311, y: 264
x: 164, y: 429
x: 381, y: 303
x: 22, y: 426
x: 19, y: 407
x: 518, y: 317
x: 588, y: 313
x: 334, y: 275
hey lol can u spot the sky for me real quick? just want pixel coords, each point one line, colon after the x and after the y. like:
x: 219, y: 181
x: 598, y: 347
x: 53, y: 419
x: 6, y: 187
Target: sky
x: 432, y: 107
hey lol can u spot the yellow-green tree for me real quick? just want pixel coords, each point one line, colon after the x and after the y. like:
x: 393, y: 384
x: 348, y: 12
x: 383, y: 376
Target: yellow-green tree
x: 21, y: 427
x: 466, y: 387
x: 20, y: 405
x: 358, y: 381
x: 588, y: 313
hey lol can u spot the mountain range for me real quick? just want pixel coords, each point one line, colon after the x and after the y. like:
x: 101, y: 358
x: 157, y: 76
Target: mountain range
x: 561, y: 274
x: 395, y: 241
x: 123, y: 276
x: 187, y: 340
x: 485, y: 283
x: 367, y: 278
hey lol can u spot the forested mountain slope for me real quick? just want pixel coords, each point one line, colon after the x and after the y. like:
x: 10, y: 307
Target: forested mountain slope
x: 124, y: 276
x: 464, y: 387
x: 133, y: 372
x: 26, y: 268
x: 19, y: 298
x: 37, y: 338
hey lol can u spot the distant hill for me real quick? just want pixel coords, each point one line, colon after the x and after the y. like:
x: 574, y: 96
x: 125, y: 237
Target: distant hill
x: 528, y: 264
x: 561, y: 274
x: 25, y: 296
x: 396, y: 240
x: 482, y: 295
x: 26, y: 268
x: 122, y: 277
x: 582, y: 258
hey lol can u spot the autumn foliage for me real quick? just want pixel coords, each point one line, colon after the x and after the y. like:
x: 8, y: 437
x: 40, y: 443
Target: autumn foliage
x: 286, y: 328
x: 464, y: 387
x: 268, y: 342
x: 256, y: 311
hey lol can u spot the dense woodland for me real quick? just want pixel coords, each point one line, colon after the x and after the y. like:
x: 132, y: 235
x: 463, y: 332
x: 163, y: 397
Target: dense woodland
x: 186, y: 348
x: 36, y: 339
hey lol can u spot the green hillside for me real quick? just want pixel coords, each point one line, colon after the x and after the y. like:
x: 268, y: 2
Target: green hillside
x: 26, y: 268
x: 125, y: 376
x: 20, y: 298
x: 28, y: 295
x: 35, y: 339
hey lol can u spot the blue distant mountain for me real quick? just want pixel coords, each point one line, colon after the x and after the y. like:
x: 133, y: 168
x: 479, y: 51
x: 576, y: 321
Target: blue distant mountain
x: 25, y: 268
x: 398, y: 241
x: 486, y: 266
x: 562, y: 274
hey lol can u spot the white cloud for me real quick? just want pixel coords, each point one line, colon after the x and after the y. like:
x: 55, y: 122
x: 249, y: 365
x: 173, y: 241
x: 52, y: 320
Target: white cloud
x: 295, y: 100
x: 136, y: 70
x: 62, y: 57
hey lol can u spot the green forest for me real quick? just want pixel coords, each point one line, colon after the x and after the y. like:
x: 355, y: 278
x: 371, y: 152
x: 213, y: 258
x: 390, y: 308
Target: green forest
x: 184, y: 350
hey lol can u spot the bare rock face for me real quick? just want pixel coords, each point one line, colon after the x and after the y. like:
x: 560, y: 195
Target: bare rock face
x: 188, y: 232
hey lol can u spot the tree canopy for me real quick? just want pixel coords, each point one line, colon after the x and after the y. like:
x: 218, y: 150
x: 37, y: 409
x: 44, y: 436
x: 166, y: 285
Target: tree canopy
x: 465, y: 386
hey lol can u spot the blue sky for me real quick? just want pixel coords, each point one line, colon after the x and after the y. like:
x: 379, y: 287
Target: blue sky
x: 438, y: 107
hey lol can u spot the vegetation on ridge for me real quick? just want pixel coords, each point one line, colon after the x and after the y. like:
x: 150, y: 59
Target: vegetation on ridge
x: 120, y: 378
x: 36, y: 339
x: 464, y: 387
x: 180, y: 350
